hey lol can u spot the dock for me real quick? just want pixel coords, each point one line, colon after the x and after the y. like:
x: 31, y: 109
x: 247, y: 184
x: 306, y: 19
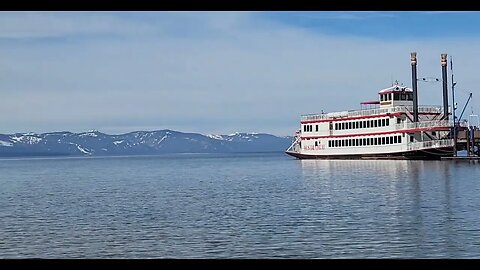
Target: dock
x: 467, y: 139
x: 461, y: 158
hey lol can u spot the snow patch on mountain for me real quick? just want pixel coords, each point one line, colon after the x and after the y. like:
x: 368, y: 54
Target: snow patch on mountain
x: 163, y: 138
x: 4, y: 143
x: 215, y: 137
x: 26, y: 138
x: 83, y: 150
x: 90, y: 133
x: 118, y: 142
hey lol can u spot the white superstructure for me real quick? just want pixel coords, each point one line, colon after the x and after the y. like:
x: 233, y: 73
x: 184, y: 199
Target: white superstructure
x: 386, y: 131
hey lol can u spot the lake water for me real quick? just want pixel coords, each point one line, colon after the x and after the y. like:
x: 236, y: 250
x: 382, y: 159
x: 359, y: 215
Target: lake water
x: 238, y: 206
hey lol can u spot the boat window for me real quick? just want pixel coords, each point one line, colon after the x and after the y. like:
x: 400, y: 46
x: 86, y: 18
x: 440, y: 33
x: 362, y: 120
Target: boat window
x: 368, y: 124
x: 383, y: 140
x: 396, y: 96
x: 381, y: 97
x: 395, y: 139
x: 356, y: 124
x: 336, y: 126
x: 383, y: 122
x: 387, y: 122
x: 330, y: 125
x: 316, y: 128
x: 409, y: 96
x: 403, y: 96
x: 411, y: 138
x: 371, y: 141
x: 400, y: 139
x: 399, y: 120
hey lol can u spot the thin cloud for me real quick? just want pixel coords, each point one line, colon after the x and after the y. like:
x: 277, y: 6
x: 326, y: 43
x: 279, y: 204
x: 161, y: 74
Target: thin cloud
x: 243, y: 75
x: 359, y: 15
x: 21, y: 25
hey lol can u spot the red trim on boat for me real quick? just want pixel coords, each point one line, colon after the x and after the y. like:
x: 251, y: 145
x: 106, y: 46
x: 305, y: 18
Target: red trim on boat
x: 352, y: 118
x: 413, y: 130
x: 370, y: 102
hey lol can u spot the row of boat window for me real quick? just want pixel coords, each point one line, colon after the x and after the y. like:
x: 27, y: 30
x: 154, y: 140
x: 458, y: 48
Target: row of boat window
x: 309, y: 128
x: 363, y: 124
x: 364, y: 141
x: 396, y: 96
x: 352, y: 125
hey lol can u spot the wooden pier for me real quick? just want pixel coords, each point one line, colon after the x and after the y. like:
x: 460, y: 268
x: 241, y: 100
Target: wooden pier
x: 462, y: 158
x: 468, y: 139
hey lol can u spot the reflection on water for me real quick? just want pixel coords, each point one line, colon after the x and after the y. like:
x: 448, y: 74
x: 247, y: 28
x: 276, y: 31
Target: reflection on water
x: 417, y: 206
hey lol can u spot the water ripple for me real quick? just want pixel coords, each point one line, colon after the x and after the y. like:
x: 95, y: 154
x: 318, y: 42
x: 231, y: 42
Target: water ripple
x: 238, y: 206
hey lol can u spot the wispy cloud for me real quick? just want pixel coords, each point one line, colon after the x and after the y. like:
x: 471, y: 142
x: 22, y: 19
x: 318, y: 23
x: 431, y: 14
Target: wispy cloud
x: 359, y: 15
x: 50, y: 25
x: 203, y: 72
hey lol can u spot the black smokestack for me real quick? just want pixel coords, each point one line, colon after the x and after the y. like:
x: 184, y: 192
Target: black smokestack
x: 444, y: 80
x: 413, y: 61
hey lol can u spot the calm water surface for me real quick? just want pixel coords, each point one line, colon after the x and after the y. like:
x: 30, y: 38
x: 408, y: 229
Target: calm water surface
x: 238, y: 206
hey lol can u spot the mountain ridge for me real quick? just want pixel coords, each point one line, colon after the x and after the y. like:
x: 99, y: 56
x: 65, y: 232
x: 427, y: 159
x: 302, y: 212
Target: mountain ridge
x: 94, y: 142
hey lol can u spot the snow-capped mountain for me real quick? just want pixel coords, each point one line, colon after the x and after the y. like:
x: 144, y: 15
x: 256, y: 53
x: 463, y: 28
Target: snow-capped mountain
x: 136, y: 143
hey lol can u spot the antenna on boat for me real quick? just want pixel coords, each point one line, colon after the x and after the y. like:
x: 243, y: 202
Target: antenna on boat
x: 454, y: 107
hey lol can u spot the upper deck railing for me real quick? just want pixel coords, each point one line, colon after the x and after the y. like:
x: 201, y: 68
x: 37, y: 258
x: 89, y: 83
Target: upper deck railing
x: 425, y: 124
x: 429, y: 144
x: 368, y: 112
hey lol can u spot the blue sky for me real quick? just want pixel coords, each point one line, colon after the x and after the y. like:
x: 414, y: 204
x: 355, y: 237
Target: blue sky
x: 218, y: 72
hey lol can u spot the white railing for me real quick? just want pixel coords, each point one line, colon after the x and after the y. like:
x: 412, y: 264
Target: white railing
x: 294, y: 146
x: 425, y: 124
x: 324, y: 116
x: 429, y: 144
